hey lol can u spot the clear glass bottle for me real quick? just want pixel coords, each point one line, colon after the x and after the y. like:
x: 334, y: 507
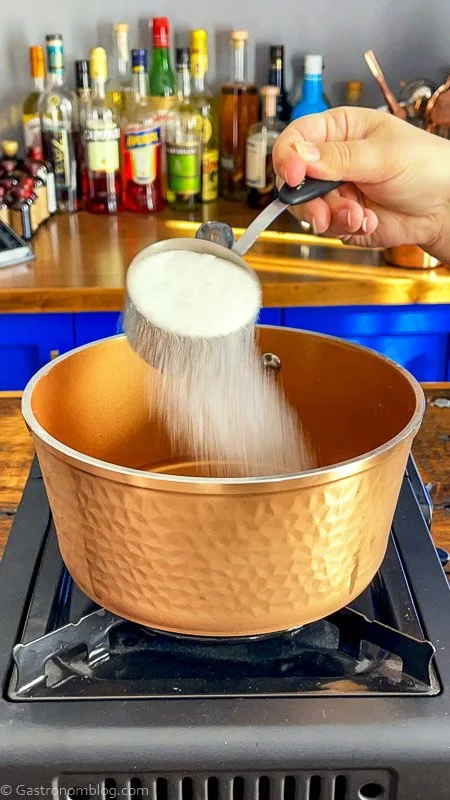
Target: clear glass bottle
x: 82, y: 88
x: 259, y: 171
x: 119, y: 84
x: 353, y: 93
x: 141, y: 145
x: 239, y: 110
x: 208, y: 107
x: 276, y: 78
x: 30, y: 112
x: 59, y: 126
x: 101, y: 135
x: 184, y: 142
x: 312, y: 100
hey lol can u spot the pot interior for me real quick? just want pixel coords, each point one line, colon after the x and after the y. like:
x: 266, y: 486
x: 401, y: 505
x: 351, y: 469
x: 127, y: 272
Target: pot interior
x: 350, y: 400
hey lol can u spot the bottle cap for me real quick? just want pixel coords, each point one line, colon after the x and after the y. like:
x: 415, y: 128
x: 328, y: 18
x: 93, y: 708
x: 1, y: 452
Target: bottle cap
x: 313, y: 65
x: 82, y: 74
x: 27, y: 184
x: 182, y: 57
x: 139, y: 60
x: 37, y: 63
x: 54, y: 37
x: 269, y: 95
x: 35, y: 153
x: 276, y: 51
x: 10, y: 147
x: 199, y: 53
x: 160, y: 32
x: 239, y: 36
x: 354, y: 88
x: 121, y: 27
x: 98, y: 63
x: 55, y: 52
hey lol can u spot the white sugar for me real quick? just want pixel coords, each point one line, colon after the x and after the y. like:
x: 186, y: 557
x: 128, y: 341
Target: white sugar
x: 194, y: 294
x: 219, y: 405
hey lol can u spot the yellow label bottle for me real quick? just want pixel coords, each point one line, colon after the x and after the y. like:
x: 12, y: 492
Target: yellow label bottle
x: 207, y: 105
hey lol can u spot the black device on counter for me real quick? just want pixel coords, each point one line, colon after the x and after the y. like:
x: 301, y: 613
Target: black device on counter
x: 13, y: 249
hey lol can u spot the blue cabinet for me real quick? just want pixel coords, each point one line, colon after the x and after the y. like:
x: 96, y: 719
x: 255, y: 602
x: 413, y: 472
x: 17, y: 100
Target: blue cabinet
x: 93, y: 325
x: 417, y: 337
x: 28, y: 341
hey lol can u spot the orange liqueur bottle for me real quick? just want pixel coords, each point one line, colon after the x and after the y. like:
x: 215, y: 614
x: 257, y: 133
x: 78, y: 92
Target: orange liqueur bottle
x: 239, y: 110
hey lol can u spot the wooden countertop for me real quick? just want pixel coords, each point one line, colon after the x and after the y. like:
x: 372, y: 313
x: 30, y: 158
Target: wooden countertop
x: 82, y: 259
x: 431, y: 451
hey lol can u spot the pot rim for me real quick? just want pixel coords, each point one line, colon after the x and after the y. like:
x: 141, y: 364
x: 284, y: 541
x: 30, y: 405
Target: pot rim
x: 176, y: 483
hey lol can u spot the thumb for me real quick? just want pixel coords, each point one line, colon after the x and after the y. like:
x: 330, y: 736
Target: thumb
x: 356, y: 160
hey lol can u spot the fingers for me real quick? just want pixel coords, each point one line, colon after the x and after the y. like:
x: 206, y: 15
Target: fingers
x: 339, y: 144
x: 340, y: 213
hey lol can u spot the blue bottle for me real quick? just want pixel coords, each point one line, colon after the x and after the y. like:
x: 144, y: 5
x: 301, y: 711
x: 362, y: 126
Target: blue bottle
x: 312, y: 100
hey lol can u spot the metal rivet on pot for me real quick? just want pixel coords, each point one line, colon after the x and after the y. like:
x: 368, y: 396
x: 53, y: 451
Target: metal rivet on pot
x: 271, y: 362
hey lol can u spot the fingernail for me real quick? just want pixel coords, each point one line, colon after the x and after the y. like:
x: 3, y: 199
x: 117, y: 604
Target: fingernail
x: 364, y: 225
x: 308, y: 151
x: 344, y: 217
x: 314, y: 227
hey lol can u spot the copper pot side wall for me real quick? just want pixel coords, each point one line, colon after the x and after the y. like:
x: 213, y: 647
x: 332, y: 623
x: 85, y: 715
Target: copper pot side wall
x: 218, y: 558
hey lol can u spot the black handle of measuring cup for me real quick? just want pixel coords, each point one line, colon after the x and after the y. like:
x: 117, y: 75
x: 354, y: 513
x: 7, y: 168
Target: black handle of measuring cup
x: 309, y: 189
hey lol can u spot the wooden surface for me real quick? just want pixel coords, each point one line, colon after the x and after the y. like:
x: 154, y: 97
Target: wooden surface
x: 431, y: 450
x: 82, y: 259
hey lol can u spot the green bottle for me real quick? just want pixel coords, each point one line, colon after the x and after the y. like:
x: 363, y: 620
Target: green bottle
x: 162, y: 78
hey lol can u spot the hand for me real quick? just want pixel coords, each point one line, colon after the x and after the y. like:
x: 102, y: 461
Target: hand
x: 398, y: 189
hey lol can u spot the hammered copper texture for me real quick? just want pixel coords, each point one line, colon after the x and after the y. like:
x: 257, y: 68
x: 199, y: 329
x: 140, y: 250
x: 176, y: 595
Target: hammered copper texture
x: 209, y: 557
x: 222, y: 565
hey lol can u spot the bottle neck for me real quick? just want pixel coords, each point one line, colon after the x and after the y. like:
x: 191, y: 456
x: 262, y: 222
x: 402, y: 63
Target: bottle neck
x: 98, y: 88
x: 122, y: 54
x: 312, y: 87
x: 183, y: 83
x: 139, y: 84
x: 199, y: 85
x: 276, y: 74
x: 239, y: 62
x: 38, y: 84
x: 55, y: 78
x: 161, y: 59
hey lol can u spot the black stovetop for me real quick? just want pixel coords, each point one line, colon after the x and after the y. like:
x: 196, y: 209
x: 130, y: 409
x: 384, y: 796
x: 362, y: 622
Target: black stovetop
x: 337, y: 692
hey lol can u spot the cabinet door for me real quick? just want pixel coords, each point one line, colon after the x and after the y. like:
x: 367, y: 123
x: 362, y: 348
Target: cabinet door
x: 91, y: 326
x: 27, y: 342
x: 417, y: 337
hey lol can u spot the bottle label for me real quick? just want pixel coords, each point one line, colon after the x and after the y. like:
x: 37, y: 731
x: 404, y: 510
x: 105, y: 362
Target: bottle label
x: 31, y: 131
x: 143, y: 146
x: 60, y: 157
x: 255, y: 163
x: 210, y: 175
x: 102, y: 148
x: 227, y: 163
x: 183, y: 168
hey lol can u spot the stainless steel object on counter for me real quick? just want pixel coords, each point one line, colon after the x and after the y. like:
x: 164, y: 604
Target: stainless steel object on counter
x: 147, y: 538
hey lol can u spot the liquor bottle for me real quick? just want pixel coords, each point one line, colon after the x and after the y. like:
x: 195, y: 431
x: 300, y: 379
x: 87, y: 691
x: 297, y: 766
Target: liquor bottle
x: 30, y: 111
x: 276, y: 78
x: 45, y: 172
x: 239, y: 110
x: 259, y: 171
x: 312, y: 100
x: 119, y: 84
x: 58, y: 115
x: 101, y: 136
x: 141, y: 145
x: 353, y: 93
x: 184, y: 142
x: 207, y: 105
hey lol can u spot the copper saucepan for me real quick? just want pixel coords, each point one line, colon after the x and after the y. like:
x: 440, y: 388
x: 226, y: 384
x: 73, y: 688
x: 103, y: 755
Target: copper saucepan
x: 145, y: 537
